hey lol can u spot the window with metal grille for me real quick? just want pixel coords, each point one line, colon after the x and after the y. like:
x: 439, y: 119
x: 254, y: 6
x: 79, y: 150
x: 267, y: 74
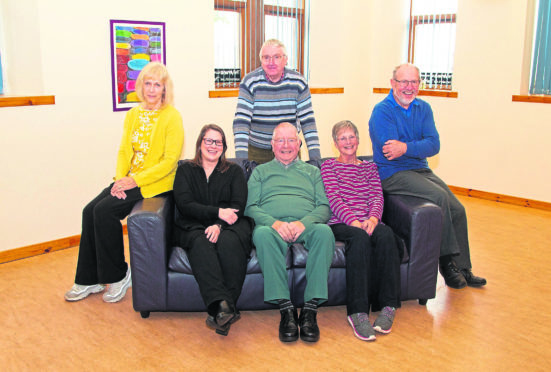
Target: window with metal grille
x: 240, y: 28
x: 431, y: 44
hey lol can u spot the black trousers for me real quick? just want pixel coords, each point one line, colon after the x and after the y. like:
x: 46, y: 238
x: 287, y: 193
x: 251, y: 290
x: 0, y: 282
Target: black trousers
x: 101, y: 252
x: 219, y: 268
x: 372, y: 268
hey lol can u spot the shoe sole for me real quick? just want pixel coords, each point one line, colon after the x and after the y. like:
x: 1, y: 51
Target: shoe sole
x: 370, y: 338
x: 84, y: 294
x: 309, y: 339
x: 120, y: 296
x: 380, y: 330
x: 288, y: 339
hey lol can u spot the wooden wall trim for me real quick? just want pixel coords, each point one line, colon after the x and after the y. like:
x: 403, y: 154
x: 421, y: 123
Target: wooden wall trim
x: 42, y: 248
x: 12, y: 101
x: 224, y: 93
x: 529, y: 203
x: 533, y: 98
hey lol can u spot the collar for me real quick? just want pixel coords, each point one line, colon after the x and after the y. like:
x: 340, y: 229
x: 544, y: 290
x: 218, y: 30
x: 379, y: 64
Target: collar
x: 287, y: 165
x: 271, y: 82
x: 392, y: 100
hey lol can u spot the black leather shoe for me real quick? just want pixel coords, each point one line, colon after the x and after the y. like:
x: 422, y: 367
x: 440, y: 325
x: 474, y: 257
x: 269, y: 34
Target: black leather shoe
x: 225, y: 329
x: 288, y: 328
x: 308, y: 324
x: 225, y: 313
x: 452, y: 275
x: 472, y: 280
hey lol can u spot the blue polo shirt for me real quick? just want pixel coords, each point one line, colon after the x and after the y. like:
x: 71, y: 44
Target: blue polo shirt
x: 414, y: 126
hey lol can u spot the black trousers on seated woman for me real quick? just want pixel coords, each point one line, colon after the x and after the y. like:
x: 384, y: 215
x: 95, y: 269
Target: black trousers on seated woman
x: 372, y: 267
x: 219, y: 268
x: 101, y: 253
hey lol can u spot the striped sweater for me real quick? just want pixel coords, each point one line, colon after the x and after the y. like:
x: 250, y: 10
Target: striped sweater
x: 262, y: 105
x: 354, y: 191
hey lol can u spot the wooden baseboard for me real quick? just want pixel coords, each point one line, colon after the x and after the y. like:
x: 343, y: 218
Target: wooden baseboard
x: 42, y: 248
x: 529, y: 203
x: 56, y: 245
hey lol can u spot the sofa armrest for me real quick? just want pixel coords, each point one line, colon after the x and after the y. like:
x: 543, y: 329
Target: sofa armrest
x: 149, y: 233
x: 419, y: 223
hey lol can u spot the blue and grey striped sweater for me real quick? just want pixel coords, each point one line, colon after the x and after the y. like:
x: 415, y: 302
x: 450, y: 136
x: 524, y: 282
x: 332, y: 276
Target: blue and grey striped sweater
x: 262, y: 105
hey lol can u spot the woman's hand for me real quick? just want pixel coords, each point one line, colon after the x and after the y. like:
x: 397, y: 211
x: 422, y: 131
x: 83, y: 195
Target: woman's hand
x: 370, y: 224
x: 121, y: 185
x: 228, y: 214
x: 213, y: 232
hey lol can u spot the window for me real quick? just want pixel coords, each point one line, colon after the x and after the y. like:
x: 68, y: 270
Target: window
x: 240, y: 28
x: 540, y: 81
x: 431, y: 44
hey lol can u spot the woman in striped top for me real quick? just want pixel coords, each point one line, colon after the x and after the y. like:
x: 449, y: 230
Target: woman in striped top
x: 372, y: 251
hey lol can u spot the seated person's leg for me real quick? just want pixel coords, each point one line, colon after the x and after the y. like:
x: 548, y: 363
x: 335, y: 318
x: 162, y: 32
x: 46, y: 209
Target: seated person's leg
x: 318, y: 239
x: 271, y: 250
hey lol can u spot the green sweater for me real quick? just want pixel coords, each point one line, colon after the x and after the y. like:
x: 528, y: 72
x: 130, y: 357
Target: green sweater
x: 287, y: 193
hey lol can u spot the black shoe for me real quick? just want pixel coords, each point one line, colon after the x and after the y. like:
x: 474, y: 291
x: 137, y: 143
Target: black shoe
x: 225, y: 314
x: 472, y: 280
x: 452, y: 275
x: 308, y: 324
x: 225, y: 329
x: 288, y: 328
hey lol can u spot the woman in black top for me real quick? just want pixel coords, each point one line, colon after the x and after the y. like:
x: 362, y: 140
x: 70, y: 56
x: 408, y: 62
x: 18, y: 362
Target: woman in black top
x: 210, y: 194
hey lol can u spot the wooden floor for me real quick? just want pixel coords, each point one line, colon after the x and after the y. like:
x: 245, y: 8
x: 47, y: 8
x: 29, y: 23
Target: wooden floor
x: 503, y: 327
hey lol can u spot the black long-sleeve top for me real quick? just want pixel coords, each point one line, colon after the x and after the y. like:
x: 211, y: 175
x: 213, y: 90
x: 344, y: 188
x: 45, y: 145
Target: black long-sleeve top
x: 198, y: 201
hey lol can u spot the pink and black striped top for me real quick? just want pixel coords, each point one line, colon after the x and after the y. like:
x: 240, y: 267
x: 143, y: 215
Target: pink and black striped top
x: 354, y: 191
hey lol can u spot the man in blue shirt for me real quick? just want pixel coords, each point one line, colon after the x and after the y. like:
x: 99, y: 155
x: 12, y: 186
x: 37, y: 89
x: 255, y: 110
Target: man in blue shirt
x: 403, y: 135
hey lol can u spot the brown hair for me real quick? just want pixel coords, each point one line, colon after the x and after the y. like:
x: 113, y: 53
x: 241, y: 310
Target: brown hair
x: 224, y: 164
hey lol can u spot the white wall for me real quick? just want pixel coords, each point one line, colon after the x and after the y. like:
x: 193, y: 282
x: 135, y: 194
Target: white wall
x: 56, y: 158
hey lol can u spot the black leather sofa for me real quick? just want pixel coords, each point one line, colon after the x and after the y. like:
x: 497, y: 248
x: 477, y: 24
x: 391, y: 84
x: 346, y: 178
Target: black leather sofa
x: 162, y: 278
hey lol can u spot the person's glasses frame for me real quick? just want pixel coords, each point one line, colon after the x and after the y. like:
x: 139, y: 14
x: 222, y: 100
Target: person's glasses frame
x: 210, y: 141
x: 281, y: 141
x: 275, y: 58
x: 405, y: 83
x: 347, y: 139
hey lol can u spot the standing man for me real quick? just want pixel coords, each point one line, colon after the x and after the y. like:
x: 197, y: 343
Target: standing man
x: 403, y: 135
x: 270, y: 95
x: 288, y: 203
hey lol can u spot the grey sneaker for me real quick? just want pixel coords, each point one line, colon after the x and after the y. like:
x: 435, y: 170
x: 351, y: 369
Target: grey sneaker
x: 116, y: 291
x: 78, y: 292
x: 361, y: 326
x: 383, y: 323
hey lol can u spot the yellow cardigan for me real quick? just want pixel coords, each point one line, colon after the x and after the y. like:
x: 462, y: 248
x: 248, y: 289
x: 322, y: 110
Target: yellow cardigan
x: 161, y: 161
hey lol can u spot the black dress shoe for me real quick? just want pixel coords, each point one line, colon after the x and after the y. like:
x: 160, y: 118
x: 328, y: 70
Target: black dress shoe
x: 288, y: 328
x: 452, y: 275
x: 308, y: 324
x: 225, y: 329
x: 472, y: 280
x: 225, y: 314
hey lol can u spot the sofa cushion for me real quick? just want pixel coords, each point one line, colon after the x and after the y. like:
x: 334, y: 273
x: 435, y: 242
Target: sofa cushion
x: 179, y: 262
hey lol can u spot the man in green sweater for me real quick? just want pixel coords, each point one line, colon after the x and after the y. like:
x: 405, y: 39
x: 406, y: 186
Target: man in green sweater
x: 288, y: 203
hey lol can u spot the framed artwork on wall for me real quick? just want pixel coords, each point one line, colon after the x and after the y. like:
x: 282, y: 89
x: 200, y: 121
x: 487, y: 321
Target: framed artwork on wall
x: 133, y: 45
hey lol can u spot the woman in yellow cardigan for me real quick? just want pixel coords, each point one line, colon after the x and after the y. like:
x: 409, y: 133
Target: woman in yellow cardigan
x: 151, y: 145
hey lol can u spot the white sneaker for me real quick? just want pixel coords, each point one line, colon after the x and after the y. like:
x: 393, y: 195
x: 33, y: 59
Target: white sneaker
x: 78, y: 292
x: 116, y: 291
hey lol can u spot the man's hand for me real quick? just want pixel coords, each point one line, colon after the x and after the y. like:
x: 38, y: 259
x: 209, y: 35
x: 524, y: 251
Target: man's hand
x: 393, y: 149
x: 297, y: 228
x: 289, y: 231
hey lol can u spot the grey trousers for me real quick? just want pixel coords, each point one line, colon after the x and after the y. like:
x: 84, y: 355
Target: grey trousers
x: 423, y: 183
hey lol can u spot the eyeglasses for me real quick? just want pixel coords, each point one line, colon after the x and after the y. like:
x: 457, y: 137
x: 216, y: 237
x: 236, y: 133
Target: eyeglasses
x: 347, y: 139
x: 210, y: 141
x: 275, y: 58
x: 290, y: 141
x: 405, y: 83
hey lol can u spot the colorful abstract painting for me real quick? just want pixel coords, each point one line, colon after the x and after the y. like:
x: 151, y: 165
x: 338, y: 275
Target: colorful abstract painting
x: 133, y: 45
